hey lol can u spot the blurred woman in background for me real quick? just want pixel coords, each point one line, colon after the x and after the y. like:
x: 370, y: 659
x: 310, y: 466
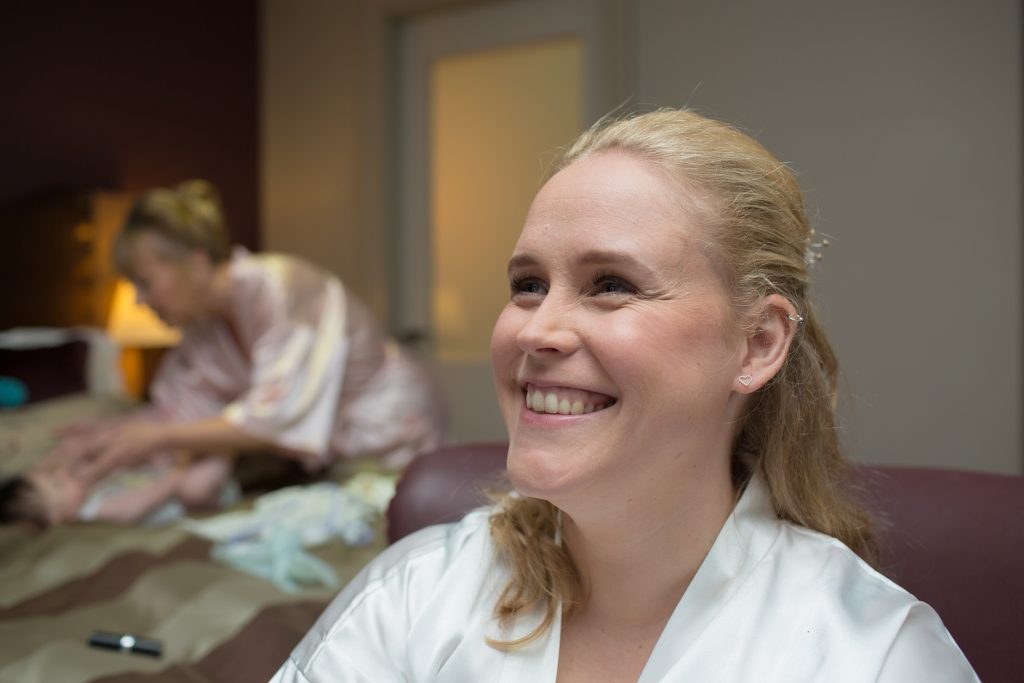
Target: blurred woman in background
x: 276, y: 356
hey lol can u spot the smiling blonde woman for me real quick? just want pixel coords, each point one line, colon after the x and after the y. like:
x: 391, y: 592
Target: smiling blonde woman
x: 680, y: 509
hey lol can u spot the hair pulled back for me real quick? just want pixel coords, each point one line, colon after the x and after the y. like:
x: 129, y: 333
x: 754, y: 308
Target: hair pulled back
x: 187, y: 217
x: 758, y: 235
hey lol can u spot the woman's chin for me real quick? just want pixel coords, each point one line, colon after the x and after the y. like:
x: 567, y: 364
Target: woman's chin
x: 539, y: 474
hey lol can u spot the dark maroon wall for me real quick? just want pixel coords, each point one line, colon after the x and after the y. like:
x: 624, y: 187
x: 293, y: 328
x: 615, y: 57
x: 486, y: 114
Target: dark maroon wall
x: 129, y: 94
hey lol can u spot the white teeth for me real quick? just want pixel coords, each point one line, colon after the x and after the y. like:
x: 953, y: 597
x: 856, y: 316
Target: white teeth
x: 551, y: 403
x: 537, y: 402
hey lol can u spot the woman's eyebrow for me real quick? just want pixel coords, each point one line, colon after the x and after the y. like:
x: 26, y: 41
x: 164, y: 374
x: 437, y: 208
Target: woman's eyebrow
x: 522, y: 261
x: 593, y: 257
x: 598, y: 257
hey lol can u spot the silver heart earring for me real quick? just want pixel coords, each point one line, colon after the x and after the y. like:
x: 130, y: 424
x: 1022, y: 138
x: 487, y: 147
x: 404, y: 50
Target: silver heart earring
x: 745, y: 380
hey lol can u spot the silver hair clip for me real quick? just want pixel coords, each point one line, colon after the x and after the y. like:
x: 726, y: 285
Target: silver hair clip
x: 811, y: 252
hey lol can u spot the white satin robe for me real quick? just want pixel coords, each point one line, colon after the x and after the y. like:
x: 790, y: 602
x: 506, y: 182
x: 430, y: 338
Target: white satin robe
x: 771, y: 602
x: 304, y: 367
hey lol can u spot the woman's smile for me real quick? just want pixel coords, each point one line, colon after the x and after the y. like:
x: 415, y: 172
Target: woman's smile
x: 560, y: 400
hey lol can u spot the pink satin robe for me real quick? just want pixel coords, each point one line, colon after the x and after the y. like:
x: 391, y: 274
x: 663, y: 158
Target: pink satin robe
x: 304, y: 367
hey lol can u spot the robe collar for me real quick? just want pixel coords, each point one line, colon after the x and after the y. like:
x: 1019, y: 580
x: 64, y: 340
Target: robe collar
x: 744, y: 540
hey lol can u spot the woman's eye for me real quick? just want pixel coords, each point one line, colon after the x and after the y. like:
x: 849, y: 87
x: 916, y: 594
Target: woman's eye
x: 527, y: 285
x: 611, y: 284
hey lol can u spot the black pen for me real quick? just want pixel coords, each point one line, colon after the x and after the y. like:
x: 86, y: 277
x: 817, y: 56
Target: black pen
x: 126, y: 643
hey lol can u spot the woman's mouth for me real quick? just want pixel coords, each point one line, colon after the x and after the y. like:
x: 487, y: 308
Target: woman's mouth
x: 564, y: 400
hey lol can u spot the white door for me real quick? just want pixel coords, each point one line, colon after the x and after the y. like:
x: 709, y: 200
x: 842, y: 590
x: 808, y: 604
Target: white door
x: 485, y: 97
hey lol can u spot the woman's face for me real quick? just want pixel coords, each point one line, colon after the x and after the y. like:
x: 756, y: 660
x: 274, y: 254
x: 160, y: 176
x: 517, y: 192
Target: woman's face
x: 170, y: 285
x: 615, y: 358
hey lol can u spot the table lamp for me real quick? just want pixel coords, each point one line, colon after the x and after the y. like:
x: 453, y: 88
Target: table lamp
x: 141, y: 335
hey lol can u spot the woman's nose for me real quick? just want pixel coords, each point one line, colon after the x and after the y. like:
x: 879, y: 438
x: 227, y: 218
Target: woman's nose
x: 549, y: 328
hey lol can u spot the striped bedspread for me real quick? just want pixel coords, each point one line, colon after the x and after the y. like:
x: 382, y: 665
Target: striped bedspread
x: 215, y: 624
x: 59, y: 586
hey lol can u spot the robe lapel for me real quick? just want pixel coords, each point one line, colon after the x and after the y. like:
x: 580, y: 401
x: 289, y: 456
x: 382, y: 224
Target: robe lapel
x: 744, y: 540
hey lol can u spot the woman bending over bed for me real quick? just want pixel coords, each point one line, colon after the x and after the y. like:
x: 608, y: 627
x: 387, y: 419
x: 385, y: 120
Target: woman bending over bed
x: 276, y: 356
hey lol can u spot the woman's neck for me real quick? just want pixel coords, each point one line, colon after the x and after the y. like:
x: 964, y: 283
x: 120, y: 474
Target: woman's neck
x: 647, y: 548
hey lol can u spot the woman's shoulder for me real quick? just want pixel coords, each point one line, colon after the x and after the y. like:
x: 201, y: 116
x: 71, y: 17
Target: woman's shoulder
x: 808, y: 566
x: 403, y: 581
x: 274, y: 264
x: 824, y: 570
x: 261, y: 266
x: 842, y: 601
x: 435, y: 547
x: 274, y: 286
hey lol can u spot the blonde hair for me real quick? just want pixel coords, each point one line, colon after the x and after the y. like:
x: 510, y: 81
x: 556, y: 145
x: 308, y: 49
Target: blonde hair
x: 759, y: 235
x: 187, y: 217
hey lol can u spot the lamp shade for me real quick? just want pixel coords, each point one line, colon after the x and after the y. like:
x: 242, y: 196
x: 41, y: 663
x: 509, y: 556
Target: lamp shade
x: 133, y: 325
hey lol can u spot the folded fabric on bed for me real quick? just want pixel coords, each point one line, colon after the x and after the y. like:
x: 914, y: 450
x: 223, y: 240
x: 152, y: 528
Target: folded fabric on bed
x: 271, y: 539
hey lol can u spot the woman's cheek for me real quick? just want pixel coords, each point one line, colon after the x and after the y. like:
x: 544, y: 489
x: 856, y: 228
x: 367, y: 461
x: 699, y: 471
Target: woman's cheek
x: 503, y: 337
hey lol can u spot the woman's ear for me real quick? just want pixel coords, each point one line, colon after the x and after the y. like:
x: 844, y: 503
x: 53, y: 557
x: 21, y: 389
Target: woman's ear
x: 767, y: 344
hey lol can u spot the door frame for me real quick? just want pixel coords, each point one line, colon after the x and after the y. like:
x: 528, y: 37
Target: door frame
x: 608, y: 79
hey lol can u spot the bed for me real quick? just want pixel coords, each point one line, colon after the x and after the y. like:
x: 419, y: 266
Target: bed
x: 60, y: 585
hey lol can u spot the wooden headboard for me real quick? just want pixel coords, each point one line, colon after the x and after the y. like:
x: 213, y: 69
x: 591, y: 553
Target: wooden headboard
x: 56, y: 268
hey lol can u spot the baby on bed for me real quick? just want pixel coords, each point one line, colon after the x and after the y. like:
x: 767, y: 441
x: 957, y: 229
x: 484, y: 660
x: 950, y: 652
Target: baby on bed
x: 158, y: 491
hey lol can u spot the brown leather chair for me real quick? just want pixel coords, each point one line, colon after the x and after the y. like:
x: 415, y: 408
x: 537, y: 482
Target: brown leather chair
x: 443, y: 485
x: 954, y: 539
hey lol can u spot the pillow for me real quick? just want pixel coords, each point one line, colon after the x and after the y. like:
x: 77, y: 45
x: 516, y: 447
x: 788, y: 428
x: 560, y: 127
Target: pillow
x: 48, y: 372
